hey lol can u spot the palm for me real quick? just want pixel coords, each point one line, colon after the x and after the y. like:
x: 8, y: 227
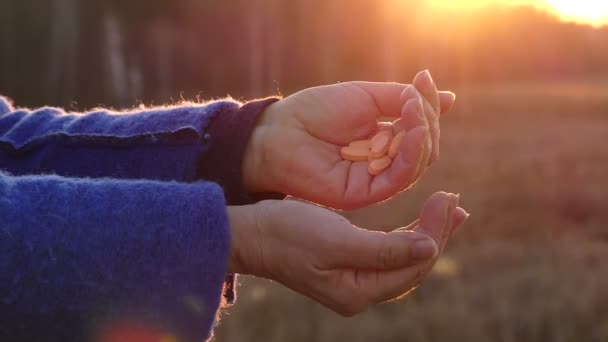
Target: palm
x: 322, y: 255
x: 326, y: 119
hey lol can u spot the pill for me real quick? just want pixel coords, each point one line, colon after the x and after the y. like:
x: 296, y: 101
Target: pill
x: 393, y: 149
x: 360, y: 144
x: 354, y: 153
x: 376, y: 166
x: 380, y: 143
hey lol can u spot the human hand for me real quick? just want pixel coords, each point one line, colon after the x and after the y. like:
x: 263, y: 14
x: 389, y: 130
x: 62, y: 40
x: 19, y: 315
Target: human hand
x: 320, y: 254
x: 295, y: 149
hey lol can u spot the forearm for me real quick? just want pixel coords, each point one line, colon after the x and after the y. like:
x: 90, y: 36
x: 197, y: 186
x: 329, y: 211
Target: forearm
x: 158, y: 143
x: 112, y: 247
x: 183, y: 143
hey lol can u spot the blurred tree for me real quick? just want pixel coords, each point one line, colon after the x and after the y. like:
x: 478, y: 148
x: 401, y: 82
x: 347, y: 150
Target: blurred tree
x: 69, y: 52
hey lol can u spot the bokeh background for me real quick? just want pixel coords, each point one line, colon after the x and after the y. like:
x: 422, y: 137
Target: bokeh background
x: 525, y: 144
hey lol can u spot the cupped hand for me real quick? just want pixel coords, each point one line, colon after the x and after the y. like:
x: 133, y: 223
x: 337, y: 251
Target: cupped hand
x: 295, y: 149
x: 320, y: 254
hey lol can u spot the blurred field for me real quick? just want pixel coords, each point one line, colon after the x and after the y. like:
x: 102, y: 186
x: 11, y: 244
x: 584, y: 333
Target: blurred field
x: 531, y: 163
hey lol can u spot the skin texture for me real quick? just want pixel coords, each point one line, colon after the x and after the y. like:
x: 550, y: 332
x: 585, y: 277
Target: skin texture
x: 320, y: 254
x: 295, y: 148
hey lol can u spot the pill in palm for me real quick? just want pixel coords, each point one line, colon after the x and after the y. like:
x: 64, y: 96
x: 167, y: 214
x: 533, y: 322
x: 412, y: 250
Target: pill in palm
x: 360, y: 144
x: 376, y: 166
x: 380, y: 144
x: 355, y: 153
x: 393, y: 149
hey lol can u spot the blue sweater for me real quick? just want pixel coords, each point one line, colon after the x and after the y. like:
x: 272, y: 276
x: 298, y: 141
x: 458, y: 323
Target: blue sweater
x: 104, y: 217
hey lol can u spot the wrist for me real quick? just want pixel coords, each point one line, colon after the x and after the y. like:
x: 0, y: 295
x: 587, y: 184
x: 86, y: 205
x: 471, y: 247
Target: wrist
x: 247, y: 226
x: 240, y: 219
x: 257, y: 163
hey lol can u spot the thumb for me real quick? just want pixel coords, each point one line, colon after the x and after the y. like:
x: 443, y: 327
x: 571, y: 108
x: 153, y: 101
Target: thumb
x: 446, y: 99
x: 372, y: 250
x: 437, y: 216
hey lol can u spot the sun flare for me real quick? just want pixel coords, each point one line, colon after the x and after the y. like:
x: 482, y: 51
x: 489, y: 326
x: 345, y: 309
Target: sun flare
x: 593, y: 12
x: 590, y: 11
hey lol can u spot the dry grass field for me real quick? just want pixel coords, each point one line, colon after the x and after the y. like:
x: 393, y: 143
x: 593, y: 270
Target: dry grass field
x: 531, y: 163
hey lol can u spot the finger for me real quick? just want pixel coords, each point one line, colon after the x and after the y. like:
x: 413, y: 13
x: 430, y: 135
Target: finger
x: 384, y: 286
x: 388, y: 285
x: 411, y: 227
x: 427, y: 151
x: 460, y: 217
x: 358, y: 184
x: 434, y: 129
x: 426, y: 86
x: 449, y: 228
x: 412, y: 113
x: 372, y: 250
x: 435, y: 216
x: 446, y: 99
x: 403, y: 170
x: 432, y: 107
x: 386, y: 96
x: 412, y: 116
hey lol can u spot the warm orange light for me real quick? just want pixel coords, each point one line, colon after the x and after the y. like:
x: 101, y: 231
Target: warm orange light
x: 594, y: 12
x: 476, y: 3
x: 590, y: 11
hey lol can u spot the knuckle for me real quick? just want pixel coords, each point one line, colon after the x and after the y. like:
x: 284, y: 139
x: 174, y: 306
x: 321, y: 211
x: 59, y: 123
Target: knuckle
x: 387, y: 257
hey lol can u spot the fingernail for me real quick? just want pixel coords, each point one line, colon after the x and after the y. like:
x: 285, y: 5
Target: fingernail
x: 459, y: 227
x: 453, y: 95
x: 423, y: 249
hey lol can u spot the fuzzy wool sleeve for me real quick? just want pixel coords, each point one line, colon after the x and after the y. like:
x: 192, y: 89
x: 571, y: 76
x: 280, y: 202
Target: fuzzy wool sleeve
x: 81, y: 254
x: 164, y: 143
x: 182, y: 143
x: 94, y: 150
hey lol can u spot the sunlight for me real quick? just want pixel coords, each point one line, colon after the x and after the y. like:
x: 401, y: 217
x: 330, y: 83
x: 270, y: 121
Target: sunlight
x: 476, y: 3
x: 590, y: 11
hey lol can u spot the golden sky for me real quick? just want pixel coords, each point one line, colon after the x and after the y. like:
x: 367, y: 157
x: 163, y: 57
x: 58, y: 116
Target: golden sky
x: 594, y: 12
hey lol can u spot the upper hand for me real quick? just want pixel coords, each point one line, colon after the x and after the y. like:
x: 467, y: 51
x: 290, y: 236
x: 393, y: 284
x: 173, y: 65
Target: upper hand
x: 295, y: 149
x: 322, y: 255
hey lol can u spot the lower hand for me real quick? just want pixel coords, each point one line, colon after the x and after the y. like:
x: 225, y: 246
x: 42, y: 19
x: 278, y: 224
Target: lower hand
x: 320, y: 254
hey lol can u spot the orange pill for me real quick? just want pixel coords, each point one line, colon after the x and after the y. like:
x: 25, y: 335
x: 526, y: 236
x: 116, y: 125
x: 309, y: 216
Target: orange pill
x: 360, y: 144
x: 380, y: 144
x: 393, y: 149
x: 378, y: 165
x: 354, y: 153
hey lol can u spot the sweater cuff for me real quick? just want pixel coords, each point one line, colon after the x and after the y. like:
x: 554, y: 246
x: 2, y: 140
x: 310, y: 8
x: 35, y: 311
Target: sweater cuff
x: 228, y: 135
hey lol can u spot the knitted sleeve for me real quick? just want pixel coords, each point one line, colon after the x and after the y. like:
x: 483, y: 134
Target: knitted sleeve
x: 163, y: 143
x: 84, y: 253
